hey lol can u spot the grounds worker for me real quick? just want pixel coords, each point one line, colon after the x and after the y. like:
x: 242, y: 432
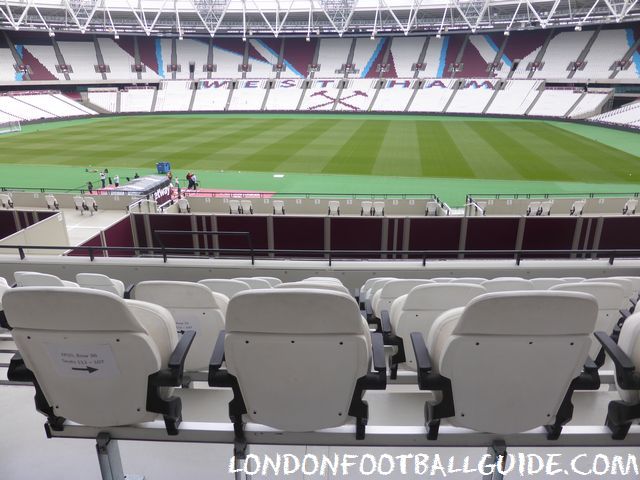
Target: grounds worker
x: 103, y: 179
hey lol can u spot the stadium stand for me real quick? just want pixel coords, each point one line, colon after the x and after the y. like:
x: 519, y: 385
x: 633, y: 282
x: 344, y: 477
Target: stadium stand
x: 333, y: 54
x: 80, y: 57
x: 174, y: 96
x: 211, y: 95
x: 433, y: 96
x: 104, y: 98
x: 627, y: 115
x: 249, y: 96
x: 285, y: 95
x: 394, y: 95
x: 356, y: 95
x: 555, y: 102
x: 515, y: 97
x: 137, y: 99
x: 472, y: 96
x: 120, y: 63
x: 564, y: 48
x: 403, y: 56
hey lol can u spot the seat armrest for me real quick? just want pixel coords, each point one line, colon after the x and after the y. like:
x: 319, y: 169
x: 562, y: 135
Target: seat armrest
x: 377, y: 350
x: 217, y: 357
x: 356, y: 294
x: 624, y: 313
x: 128, y: 289
x: 626, y: 374
x: 385, y: 322
x: 589, y: 378
x: 423, y: 360
x: 368, y: 308
x: 179, y: 354
x: 634, y: 301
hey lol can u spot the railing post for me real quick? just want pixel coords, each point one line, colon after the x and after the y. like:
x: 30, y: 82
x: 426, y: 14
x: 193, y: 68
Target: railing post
x: 21, y: 252
x: 91, y: 256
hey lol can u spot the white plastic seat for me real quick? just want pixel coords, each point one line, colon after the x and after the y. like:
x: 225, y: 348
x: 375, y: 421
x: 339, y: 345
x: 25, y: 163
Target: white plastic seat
x: 278, y: 207
x: 194, y: 308
x: 78, y: 201
x: 183, y: 205
x: 512, y: 359
x: 334, y: 207
x: 630, y: 207
x: 98, y: 281
x: 317, y: 379
x: 91, y: 204
x: 317, y: 285
x: 625, y: 283
x: 544, y: 283
x: 474, y: 280
x: 573, y: 279
x: 577, y: 207
x: 418, y: 310
x: 366, y: 208
x: 273, y: 281
x: 545, y: 208
x: 4, y: 286
x: 96, y: 357
x: 375, y: 285
x: 378, y: 209
x: 533, y: 208
x: 52, y: 203
x: 609, y: 296
x: 255, y: 282
x: 431, y: 209
x: 323, y: 279
x: 442, y: 279
x: 384, y: 297
x: 246, y: 207
x: 225, y: 286
x: 37, y: 279
x: 5, y: 200
x: 234, y: 207
x: 505, y: 284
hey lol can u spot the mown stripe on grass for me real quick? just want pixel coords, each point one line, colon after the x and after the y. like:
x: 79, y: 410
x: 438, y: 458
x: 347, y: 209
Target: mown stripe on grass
x: 358, y: 154
x: 439, y: 152
x: 399, y: 152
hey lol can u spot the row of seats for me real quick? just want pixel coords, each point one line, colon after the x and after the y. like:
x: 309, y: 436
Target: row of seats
x: 367, y: 208
x: 300, y: 359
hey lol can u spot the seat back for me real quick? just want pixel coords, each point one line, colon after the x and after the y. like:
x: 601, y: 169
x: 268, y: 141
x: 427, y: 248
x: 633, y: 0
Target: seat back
x: 247, y: 207
x: 393, y: 289
x: 79, y: 202
x: 376, y: 285
x: 378, y: 208
x: 90, y: 202
x: 323, y: 279
x: 511, y: 356
x: 443, y: 279
x: 183, y: 205
x: 630, y: 207
x: 334, y: 207
x: 573, y: 279
x: 577, y: 207
x: 193, y: 307
x: 545, y: 207
x: 629, y: 342
x: 37, y: 279
x: 4, y: 286
x: 419, y: 309
x: 278, y: 207
x: 273, y: 281
x: 234, y: 206
x: 255, y: 282
x: 51, y: 201
x: 5, y: 200
x: 431, y: 208
x: 91, y: 351
x: 323, y: 349
x: 625, y: 283
x: 366, y: 208
x: 317, y: 285
x: 506, y: 284
x: 533, y: 208
x: 224, y: 286
x: 98, y: 281
x: 474, y: 280
x: 544, y: 283
x: 609, y: 296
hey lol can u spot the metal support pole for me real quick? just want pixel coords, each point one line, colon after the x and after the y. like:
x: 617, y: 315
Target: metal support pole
x: 109, y: 459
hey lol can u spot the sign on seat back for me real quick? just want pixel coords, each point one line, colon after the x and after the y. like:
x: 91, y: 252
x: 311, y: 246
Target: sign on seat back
x: 297, y: 355
x: 90, y: 351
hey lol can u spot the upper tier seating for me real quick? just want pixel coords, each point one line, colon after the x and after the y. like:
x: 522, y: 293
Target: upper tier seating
x: 463, y: 361
x: 610, y: 45
x: 81, y: 57
x: 101, y: 282
x: 564, y: 48
x: 126, y: 347
x: 194, y: 308
x: 405, y: 53
x: 332, y: 55
x: 322, y: 341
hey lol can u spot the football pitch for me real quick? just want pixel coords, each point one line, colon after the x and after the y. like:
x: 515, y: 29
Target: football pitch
x: 332, y: 153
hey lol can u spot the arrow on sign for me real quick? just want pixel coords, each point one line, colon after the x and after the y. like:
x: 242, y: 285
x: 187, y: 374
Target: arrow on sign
x: 85, y: 369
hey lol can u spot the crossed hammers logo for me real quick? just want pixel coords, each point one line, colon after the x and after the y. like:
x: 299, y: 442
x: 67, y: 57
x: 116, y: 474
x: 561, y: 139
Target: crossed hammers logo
x: 330, y: 99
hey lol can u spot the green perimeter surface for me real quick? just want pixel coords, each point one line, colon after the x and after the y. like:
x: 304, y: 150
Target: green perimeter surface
x: 449, y: 156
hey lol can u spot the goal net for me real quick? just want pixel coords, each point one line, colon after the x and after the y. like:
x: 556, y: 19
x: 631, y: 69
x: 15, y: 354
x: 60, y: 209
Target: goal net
x: 10, y: 127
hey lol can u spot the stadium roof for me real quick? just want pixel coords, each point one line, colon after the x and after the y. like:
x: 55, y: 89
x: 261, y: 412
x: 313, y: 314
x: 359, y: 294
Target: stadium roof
x: 307, y: 17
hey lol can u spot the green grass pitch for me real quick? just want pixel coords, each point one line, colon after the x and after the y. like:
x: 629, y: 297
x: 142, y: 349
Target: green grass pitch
x: 449, y: 156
